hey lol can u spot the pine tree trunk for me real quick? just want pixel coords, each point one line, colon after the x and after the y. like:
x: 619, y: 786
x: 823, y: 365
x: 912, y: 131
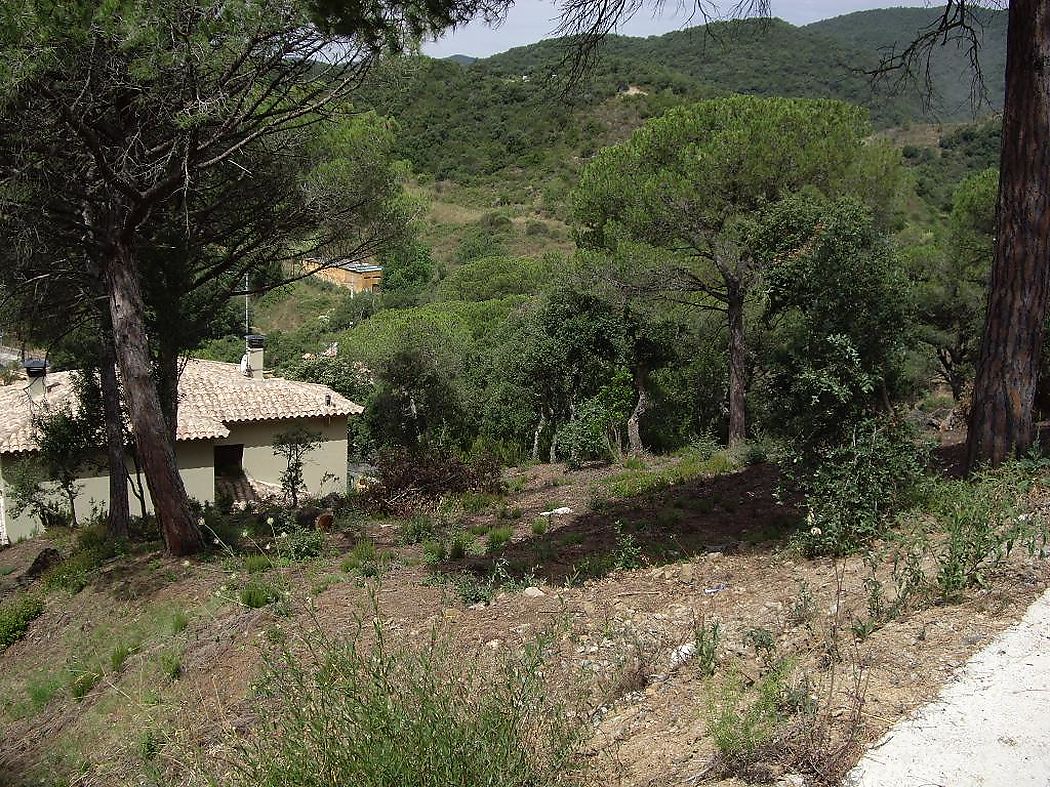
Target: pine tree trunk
x: 1008, y: 365
x: 119, y: 520
x: 641, y: 407
x: 153, y: 440
x: 737, y: 366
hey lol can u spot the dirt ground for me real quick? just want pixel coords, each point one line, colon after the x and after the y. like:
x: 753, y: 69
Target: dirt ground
x: 712, y: 549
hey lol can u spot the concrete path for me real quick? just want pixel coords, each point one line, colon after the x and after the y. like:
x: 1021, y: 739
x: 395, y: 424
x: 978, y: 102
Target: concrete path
x: 989, y: 726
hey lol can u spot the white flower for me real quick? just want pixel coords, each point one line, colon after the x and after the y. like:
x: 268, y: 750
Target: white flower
x: 185, y: 562
x: 1024, y: 517
x: 269, y: 545
x: 815, y: 531
x: 283, y: 534
x: 233, y: 575
x: 269, y: 521
x: 200, y: 522
x: 215, y: 541
x: 244, y: 534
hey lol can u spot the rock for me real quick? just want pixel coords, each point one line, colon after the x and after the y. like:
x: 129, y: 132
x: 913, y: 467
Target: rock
x: 533, y: 592
x: 687, y: 573
x: 452, y: 614
x: 682, y: 654
x: 479, y: 605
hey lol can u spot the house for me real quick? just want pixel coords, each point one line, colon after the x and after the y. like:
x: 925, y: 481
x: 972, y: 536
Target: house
x: 228, y: 417
x: 356, y: 276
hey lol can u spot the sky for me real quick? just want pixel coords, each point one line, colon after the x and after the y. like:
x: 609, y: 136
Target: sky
x: 533, y: 20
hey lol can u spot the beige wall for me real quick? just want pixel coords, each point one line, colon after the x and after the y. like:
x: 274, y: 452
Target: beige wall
x: 196, y: 466
x: 325, y: 467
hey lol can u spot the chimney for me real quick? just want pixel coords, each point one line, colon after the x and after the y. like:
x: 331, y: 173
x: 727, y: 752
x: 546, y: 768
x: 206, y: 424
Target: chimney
x: 36, y: 371
x: 254, y: 353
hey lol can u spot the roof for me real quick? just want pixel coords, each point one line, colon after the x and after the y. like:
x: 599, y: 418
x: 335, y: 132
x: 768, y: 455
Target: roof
x: 212, y: 396
x: 358, y: 266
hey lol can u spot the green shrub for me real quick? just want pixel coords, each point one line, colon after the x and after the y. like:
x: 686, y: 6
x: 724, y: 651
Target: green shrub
x: 364, y: 560
x: 301, y: 544
x: 258, y: 594
x: 118, y: 655
x: 393, y: 716
x: 853, y: 488
x: 628, y: 553
x: 15, y: 616
x: 539, y: 525
x: 499, y: 537
x: 179, y: 621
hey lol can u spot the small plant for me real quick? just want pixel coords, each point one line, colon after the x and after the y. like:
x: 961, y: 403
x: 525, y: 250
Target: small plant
x: 118, y: 655
x: 457, y: 547
x: 417, y: 529
x: 42, y: 689
x: 292, y: 446
x: 170, y: 664
x: 179, y: 621
x: 499, y: 537
x: 15, y: 616
x: 761, y: 639
x: 434, y: 552
x: 82, y: 682
x: 705, y: 640
x: 256, y: 595
x: 256, y: 564
x: 539, y: 525
x: 628, y: 553
x: 803, y: 607
x: 363, y: 559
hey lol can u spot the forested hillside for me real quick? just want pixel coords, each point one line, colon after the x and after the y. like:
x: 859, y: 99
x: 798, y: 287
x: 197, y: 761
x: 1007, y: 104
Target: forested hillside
x: 514, y: 124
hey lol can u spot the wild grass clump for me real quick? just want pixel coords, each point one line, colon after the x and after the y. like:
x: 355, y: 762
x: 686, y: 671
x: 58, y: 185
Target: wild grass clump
x: 390, y: 716
x: 258, y: 594
x: 15, y: 616
x: 692, y: 463
x: 499, y: 537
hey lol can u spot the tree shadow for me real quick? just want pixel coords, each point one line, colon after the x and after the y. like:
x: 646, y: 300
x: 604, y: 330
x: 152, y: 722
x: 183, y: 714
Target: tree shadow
x: 711, y: 514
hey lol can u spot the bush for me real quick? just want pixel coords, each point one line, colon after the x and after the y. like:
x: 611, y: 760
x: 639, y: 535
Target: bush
x: 301, y: 544
x: 855, y: 487
x: 388, y: 717
x: 15, y: 616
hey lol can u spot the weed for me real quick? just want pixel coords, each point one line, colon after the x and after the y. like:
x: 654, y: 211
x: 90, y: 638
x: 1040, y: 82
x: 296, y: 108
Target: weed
x: 170, y: 665
x: 539, y: 525
x: 179, y: 621
x: 258, y: 594
x: 706, y: 639
x: 628, y: 552
x: 434, y: 552
x: 16, y: 615
x: 407, y: 715
x: 417, y: 529
x: 41, y: 690
x: 301, y: 544
x: 480, y: 529
x: 509, y: 513
x: 457, y: 547
x: 118, y: 655
x: 81, y: 682
x: 255, y: 564
x: 803, y: 607
x: 633, y: 463
x: 499, y: 537
x: 761, y: 639
x: 363, y: 559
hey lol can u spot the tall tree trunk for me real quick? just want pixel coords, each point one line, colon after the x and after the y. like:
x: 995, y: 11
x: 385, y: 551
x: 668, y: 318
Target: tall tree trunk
x: 536, y: 435
x: 1008, y: 365
x: 119, y: 520
x: 641, y: 407
x: 168, y: 384
x: 737, y: 365
x: 154, y: 442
